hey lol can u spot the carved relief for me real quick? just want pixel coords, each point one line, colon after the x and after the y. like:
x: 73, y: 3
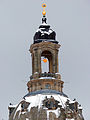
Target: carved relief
x: 50, y: 103
x: 24, y: 106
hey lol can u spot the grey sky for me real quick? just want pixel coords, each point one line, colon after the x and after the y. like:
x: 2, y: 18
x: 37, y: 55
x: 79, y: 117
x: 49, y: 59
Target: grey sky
x: 19, y: 19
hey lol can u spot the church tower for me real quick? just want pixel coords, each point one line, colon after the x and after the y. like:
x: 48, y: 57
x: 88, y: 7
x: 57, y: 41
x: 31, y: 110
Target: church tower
x: 45, y: 99
x: 45, y: 48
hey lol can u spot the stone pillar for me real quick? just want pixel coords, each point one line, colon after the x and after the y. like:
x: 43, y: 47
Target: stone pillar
x: 54, y: 63
x: 39, y: 60
x: 32, y: 63
x: 56, y: 60
x: 50, y: 65
x: 36, y: 61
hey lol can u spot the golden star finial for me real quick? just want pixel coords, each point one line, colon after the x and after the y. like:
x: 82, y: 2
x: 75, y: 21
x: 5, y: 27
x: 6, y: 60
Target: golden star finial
x: 44, y: 6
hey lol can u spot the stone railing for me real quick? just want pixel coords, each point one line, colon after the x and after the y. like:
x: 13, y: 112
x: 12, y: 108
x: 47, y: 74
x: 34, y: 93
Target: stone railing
x: 45, y: 74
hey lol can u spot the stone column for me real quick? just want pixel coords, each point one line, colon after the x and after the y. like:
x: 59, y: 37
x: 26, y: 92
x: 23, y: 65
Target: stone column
x: 50, y: 64
x: 54, y: 63
x: 35, y: 63
x: 32, y: 63
x: 39, y: 60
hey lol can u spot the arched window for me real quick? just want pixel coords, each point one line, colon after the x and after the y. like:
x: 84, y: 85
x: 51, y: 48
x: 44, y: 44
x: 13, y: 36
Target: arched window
x: 46, y: 61
x: 44, y: 64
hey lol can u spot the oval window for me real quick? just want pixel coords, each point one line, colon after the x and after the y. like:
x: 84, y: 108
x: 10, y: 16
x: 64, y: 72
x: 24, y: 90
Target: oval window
x: 47, y: 86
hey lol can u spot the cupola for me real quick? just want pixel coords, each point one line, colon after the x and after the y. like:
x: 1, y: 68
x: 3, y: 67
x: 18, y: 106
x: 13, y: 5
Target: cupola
x: 44, y: 32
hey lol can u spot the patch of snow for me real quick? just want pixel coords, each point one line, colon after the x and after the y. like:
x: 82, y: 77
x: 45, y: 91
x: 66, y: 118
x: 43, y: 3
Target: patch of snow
x: 37, y: 101
x: 71, y: 102
x: 80, y: 108
x: 46, y: 78
x: 50, y: 31
x: 36, y: 73
x: 42, y: 34
x: 12, y: 106
x: 42, y: 28
x: 57, y: 73
x: 47, y: 115
x: 23, y: 112
x: 27, y: 119
x: 38, y: 30
x: 69, y: 119
x: 45, y: 32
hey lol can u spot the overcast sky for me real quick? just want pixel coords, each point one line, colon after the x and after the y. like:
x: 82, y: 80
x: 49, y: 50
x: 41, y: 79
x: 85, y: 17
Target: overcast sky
x: 19, y: 19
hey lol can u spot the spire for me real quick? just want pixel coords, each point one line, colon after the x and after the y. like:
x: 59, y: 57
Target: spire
x: 44, y: 19
x: 44, y: 13
x: 45, y: 33
x: 44, y: 6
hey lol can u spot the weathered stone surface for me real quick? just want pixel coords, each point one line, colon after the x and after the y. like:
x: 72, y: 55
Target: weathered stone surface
x: 47, y: 108
x: 52, y: 116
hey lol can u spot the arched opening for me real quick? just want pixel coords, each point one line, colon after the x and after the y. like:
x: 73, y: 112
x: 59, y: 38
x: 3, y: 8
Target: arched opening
x: 44, y: 64
x: 46, y: 61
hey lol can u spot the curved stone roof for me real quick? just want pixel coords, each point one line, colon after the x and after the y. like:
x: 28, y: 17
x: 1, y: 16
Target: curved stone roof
x: 41, y: 104
x: 45, y: 91
x: 45, y: 33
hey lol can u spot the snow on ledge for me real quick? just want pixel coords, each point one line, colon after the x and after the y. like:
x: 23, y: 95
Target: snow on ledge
x: 46, y: 78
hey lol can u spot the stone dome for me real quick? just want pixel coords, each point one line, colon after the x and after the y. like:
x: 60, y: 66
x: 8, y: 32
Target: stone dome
x: 45, y: 33
x: 45, y: 99
x: 46, y: 105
